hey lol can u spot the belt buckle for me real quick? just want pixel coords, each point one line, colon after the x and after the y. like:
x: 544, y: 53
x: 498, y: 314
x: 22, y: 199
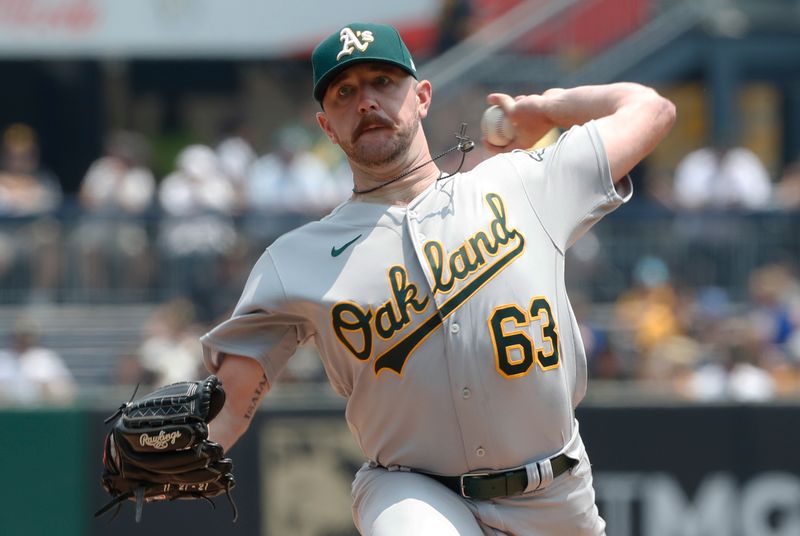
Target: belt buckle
x: 461, y: 482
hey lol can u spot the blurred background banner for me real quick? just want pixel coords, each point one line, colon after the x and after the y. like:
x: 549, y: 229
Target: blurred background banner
x: 187, y: 28
x: 659, y: 471
x: 711, y: 471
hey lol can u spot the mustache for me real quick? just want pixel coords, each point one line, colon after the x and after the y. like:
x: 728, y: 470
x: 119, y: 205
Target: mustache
x: 370, y: 120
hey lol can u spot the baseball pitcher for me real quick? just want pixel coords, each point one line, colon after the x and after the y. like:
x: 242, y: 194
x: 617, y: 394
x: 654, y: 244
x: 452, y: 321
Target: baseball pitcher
x: 437, y: 301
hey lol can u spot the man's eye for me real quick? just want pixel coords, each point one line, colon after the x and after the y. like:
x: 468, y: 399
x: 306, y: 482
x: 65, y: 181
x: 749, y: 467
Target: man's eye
x: 382, y: 80
x: 344, y: 91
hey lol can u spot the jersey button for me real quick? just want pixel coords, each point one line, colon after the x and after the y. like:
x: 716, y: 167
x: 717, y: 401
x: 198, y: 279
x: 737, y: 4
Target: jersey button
x: 455, y: 328
x: 479, y: 452
x: 465, y: 392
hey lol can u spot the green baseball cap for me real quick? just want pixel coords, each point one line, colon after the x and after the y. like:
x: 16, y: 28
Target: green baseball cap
x: 358, y: 42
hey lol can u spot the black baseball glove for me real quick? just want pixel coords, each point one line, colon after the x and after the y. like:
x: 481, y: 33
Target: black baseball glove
x: 158, y: 447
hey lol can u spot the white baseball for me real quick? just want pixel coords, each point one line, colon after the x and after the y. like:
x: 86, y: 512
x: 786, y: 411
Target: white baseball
x: 497, y: 127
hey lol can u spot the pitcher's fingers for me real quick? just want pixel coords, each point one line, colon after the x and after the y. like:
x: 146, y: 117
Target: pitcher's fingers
x: 506, y: 102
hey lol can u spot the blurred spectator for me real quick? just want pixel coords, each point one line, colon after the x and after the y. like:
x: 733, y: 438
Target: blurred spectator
x: 736, y: 381
x: 31, y: 373
x: 29, y: 194
x: 197, y: 186
x: 787, y: 190
x: 727, y: 180
x: 722, y: 176
x: 455, y: 23
x: 672, y: 362
x: 774, y: 317
x: 775, y: 300
x: 26, y: 188
x: 170, y: 351
x: 197, y: 229
x: 197, y: 200
x: 235, y: 154
x: 732, y: 371
x: 292, y: 178
x: 116, y: 192
x: 707, y: 311
x: 120, y: 180
x: 647, y: 316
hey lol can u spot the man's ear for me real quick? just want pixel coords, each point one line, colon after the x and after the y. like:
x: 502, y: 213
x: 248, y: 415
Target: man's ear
x: 322, y: 121
x: 424, y: 93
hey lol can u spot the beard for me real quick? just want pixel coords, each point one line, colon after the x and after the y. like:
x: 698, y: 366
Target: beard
x: 372, y: 153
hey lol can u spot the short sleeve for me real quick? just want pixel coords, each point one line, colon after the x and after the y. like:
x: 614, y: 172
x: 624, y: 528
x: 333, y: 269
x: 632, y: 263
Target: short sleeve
x: 569, y: 184
x: 264, y: 324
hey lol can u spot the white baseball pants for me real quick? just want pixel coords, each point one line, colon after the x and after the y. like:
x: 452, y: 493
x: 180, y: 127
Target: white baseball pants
x: 398, y: 503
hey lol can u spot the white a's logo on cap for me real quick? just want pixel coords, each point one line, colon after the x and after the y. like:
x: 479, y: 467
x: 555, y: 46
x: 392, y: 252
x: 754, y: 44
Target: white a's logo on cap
x: 353, y: 40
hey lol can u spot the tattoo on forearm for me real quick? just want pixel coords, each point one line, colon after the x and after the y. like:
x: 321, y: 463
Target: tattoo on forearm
x: 251, y: 409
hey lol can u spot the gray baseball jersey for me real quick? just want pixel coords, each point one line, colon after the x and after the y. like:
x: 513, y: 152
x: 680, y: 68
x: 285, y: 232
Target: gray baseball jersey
x: 445, y: 323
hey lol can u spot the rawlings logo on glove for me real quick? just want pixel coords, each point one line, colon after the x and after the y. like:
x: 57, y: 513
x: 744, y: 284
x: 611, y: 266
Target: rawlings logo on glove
x: 158, y: 448
x: 161, y: 441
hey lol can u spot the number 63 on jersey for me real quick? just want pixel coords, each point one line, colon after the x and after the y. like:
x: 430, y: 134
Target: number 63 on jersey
x: 515, y: 350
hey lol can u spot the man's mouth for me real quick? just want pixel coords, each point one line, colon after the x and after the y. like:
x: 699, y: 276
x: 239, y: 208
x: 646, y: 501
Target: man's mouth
x: 370, y: 125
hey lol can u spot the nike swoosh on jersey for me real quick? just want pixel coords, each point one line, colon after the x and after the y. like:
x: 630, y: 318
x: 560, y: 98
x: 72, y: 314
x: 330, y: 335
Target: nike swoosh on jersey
x: 335, y: 252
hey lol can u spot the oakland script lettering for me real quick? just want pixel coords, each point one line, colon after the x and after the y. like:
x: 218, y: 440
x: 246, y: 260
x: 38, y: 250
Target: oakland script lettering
x: 356, y: 327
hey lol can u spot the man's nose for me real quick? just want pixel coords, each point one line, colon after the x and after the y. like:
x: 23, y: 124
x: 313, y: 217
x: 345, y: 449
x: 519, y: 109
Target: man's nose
x: 367, y: 101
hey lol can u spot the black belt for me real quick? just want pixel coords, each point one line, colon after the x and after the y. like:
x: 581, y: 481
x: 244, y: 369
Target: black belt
x: 484, y: 486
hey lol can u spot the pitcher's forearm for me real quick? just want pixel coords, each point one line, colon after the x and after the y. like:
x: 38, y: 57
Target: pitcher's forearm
x: 245, y: 385
x: 575, y: 106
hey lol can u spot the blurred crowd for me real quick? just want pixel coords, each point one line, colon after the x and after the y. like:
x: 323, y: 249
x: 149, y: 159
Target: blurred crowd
x: 722, y: 177
x: 197, y: 229
x: 125, y: 224
x: 31, y: 373
x: 698, y: 344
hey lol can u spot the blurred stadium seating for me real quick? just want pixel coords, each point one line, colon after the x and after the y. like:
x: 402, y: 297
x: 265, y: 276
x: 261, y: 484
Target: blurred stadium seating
x: 90, y: 338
